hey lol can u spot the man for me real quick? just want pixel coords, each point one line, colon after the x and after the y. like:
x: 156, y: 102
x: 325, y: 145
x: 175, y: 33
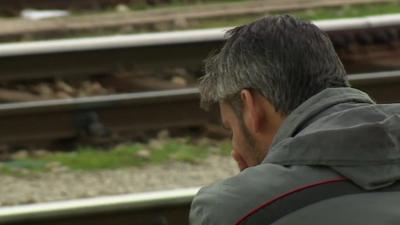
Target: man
x: 311, y: 150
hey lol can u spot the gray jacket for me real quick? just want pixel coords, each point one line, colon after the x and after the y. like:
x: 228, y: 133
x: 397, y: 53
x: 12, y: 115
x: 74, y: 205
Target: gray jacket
x: 337, y: 133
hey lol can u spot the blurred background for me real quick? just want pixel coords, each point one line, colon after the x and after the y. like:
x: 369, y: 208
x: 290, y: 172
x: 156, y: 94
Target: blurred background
x: 99, y: 98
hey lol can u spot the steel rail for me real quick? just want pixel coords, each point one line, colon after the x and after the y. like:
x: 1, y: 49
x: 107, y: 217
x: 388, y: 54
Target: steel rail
x: 99, y: 117
x: 383, y: 87
x: 106, y: 55
x: 175, y: 37
x: 151, y: 208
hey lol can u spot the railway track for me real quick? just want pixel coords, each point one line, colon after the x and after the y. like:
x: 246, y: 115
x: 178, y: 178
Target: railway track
x: 154, y: 208
x: 149, y: 20
x: 101, y: 117
x: 363, y: 44
x: 157, y: 208
x: 12, y: 7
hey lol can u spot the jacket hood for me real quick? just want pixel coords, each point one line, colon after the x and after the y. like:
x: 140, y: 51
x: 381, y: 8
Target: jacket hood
x: 342, y: 128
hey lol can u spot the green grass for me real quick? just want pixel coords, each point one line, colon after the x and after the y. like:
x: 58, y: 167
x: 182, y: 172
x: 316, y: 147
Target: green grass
x: 349, y: 11
x: 309, y: 14
x: 22, y: 167
x: 312, y: 14
x: 128, y: 155
x: 333, y: 12
x: 178, y: 3
x: 173, y: 4
x: 87, y: 158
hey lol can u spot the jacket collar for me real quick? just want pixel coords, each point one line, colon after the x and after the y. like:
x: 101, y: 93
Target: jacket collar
x: 318, y: 103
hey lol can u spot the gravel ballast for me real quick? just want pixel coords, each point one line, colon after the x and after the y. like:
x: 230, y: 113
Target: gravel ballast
x: 63, y: 185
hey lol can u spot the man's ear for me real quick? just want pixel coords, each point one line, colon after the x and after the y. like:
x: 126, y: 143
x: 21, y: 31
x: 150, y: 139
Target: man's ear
x: 253, y: 114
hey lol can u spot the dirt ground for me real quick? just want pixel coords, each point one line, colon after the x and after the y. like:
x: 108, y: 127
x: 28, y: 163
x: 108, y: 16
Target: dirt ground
x: 62, y: 184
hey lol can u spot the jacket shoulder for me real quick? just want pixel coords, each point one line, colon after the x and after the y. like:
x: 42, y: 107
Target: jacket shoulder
x: 377, y: 208
x: 228, y: 201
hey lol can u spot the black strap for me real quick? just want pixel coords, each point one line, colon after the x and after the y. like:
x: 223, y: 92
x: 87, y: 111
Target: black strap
x: 299, y: 199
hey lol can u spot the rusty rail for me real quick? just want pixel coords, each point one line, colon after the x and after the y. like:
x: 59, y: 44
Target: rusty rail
x: 99, y: 117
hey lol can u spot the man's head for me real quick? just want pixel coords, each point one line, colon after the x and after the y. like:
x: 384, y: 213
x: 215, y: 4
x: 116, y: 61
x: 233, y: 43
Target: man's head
x: 263, y: 72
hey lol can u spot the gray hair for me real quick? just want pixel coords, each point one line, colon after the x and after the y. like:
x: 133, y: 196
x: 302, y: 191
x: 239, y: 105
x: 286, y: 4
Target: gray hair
x: 285, y: 59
